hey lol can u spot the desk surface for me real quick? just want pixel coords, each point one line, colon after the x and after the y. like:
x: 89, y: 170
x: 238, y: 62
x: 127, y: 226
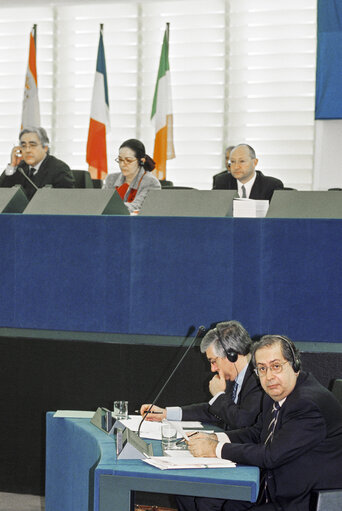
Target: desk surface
x: 83, y: 474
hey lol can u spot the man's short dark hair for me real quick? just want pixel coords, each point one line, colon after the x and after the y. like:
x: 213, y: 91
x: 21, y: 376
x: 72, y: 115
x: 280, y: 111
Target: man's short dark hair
x: 288, y: 349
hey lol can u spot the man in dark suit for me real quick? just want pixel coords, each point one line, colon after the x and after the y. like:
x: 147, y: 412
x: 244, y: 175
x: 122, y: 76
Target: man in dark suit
x: 244, y: 178
x: 236, y: 391
x: 33, y: 158
x: 296, y: 441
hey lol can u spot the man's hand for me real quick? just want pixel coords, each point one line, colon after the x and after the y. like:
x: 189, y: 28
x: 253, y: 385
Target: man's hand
x: 217, y: 383
x: 203, y: 445
x: 16, y: 156
x: 155, y: 417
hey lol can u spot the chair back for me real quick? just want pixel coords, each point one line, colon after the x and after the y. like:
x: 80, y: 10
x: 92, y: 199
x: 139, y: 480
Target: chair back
x: 336, y: 389
x: 82, y: 179
x: 165, y: 184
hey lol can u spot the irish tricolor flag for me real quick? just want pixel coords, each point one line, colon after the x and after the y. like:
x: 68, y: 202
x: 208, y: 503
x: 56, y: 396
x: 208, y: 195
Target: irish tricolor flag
x: 162, y: 112
x: 99, y: 123
x: 31, y: 113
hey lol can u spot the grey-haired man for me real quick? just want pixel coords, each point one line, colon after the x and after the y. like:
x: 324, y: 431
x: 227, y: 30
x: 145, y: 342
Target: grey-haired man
x: 32, y: 156
x: 235, y: 389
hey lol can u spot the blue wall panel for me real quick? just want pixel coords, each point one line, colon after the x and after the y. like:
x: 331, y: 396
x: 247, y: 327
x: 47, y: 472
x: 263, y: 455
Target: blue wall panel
x: 70, y: 273
x: 8, y: 277
x: 182, y: 273
x: 141, y: 275
x: 302, y: 268
x: 329, y: 58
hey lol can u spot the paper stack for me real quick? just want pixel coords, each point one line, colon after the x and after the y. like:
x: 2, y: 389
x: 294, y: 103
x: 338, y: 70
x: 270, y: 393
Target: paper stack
x: 181, y: 462
x: 250, y: 208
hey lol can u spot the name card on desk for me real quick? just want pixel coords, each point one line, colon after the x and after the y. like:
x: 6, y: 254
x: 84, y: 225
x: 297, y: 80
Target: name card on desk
x: 131, y: 447
x: 103, y: 419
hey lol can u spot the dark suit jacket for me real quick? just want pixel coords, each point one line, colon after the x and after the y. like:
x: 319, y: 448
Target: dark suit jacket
x: 51, y: 172
x: 262, y: 188
x: 224, y: 411
x: 306, y: 450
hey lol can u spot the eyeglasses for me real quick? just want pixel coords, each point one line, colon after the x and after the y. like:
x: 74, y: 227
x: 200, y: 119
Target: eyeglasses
x: 128, y: 161
x: 29, y: 145
x: 275, y: 368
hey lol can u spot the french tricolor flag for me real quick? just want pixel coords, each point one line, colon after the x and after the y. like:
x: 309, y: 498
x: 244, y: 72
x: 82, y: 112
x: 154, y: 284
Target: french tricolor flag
x: 99, y: 123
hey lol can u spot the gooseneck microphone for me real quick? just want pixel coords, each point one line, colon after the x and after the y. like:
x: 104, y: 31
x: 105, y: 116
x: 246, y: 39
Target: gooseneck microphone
x: 200, y: 333
x: 21, y: 170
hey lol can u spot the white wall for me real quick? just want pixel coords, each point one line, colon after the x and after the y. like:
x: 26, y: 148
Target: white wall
x: 327, y: 155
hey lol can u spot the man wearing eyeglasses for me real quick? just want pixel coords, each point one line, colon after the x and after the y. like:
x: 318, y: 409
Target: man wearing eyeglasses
x: 249, y: 183
x: 296, y: 441
x: 33, y: 158
x: 235, y: 389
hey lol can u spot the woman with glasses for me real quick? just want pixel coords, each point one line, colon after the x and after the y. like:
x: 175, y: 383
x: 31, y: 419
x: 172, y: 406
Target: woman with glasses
x: 135, y: 179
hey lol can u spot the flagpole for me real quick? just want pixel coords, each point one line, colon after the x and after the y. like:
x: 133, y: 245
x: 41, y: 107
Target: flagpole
x: 34, y: 30
x: 167, y: 32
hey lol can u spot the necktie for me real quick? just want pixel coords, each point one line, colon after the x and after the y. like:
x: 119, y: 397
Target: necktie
x: 269, y: 438
x: 234, y: 391
x: 31, y: 171
x: 273, y: 423
x: 243, y: 189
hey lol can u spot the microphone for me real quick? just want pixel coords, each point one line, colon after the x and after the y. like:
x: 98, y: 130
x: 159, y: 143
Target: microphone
x: 21, y: 170
x: 200, y: 332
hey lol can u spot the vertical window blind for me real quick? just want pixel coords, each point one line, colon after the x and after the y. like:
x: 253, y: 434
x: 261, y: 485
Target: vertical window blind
x: 272, y: 85
x: 240, y: 71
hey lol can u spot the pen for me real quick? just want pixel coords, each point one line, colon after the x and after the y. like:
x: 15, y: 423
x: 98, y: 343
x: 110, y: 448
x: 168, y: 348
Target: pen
x: 137, y: 411
x: 183, y: 439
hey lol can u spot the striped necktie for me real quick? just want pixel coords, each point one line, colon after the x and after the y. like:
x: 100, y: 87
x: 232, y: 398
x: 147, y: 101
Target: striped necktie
x: 273, y: 423
x: 234, y: 391
x: 271, y: 428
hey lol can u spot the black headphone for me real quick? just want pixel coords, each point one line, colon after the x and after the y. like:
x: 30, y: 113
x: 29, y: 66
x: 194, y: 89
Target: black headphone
x: 232, y: 355
x: 296, y: 364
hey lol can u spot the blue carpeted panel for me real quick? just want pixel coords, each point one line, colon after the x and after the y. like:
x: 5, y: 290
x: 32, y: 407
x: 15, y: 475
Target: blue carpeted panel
x: 247, y: 275
x: 181, y: 273
x: 149, y: 275
x: 8, y: 244
x: 72, y: 273
x: 302, y: 288
x: 329, y: 58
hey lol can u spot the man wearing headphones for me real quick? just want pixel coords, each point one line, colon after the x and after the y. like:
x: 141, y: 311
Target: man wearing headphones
x: 31, y: 157
x: 296, y: 441
x: 235, y: 388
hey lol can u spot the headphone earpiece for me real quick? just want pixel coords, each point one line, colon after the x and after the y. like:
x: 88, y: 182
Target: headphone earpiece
x: 295, y: 361
x: 231, y: 354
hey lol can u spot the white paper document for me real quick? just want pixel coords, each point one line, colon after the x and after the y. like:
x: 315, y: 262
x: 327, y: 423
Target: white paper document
x: 250, y: 208
x: 184, y: 461
x: 152, y: 430
x: 74, y: 414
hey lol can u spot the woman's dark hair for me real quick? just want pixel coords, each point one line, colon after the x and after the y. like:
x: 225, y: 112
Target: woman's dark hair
x: 139, y: 149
